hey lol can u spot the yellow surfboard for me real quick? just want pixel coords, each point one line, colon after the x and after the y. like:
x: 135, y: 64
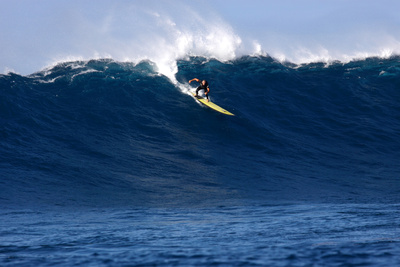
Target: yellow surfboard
x: 212, y: 105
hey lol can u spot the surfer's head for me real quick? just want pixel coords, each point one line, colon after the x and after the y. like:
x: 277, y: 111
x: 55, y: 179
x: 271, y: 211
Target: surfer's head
x: 204, y: 82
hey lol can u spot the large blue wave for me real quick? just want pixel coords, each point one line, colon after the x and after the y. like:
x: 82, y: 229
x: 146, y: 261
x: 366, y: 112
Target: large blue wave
x: 102, y: 132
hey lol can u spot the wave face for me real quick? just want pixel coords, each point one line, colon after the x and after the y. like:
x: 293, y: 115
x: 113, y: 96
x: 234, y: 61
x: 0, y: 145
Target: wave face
x: 102, y: 132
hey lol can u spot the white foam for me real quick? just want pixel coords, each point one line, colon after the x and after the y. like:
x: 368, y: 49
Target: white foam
x: 83, y: 72
x: 8, y: 70
x: 155, y: 31
x: 196, y: 36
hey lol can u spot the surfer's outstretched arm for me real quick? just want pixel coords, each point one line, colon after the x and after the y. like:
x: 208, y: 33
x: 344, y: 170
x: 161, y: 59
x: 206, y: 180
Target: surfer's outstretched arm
x: 194, y: 79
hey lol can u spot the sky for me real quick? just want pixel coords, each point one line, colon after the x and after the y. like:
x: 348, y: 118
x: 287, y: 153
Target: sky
x: 36, y: 34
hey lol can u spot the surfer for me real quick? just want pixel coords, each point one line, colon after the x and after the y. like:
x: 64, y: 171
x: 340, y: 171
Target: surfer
x: 203, y: 86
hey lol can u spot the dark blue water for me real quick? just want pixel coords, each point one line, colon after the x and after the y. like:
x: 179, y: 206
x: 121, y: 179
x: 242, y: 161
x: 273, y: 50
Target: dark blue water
x: 108, y: 163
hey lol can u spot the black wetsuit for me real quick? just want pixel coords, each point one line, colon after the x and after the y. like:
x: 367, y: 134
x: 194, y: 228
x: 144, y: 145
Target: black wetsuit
x: 202, y: 87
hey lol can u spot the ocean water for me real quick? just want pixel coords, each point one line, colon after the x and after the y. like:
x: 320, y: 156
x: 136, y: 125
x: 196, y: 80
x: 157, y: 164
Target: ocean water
x: 108, y: 163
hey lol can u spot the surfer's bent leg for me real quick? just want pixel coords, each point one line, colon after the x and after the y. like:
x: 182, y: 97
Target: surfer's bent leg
x: 197, y: 90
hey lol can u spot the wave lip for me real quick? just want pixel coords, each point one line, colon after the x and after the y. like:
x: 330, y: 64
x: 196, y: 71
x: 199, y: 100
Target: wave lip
x: 166, y: 32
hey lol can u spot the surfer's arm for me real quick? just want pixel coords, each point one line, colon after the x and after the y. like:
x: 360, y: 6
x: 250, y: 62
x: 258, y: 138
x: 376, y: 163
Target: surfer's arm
x: 194, y: 79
